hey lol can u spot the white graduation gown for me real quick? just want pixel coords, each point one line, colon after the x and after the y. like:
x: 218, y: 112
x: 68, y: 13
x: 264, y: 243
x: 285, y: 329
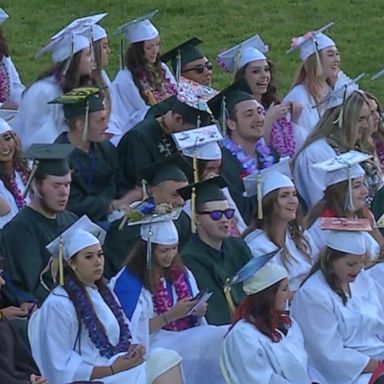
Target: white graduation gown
x: 310, y: 182
x: 16, y: 87
x: 248, y: 356
x: 127, y: 101
x: 38, y: 121
x: 340, y: 339
x: 8, y: 197
x: 299, y: 266
x: 319, y: 236
x: 64, y: 358
x: 198, y: 346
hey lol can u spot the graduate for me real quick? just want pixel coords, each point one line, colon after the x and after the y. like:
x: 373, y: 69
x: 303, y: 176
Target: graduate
x: 14, y: 174
x: 211, y: 254
x: 188, y: 61
x: 248, y: 61
x: 316, y: 76
x: 151, y: 140
x: 37, y: 121
x: 156, y: 292
x: 38, y: 223
x: 11, y: 87
x: 340, y: 311
x: 98, y: 342
x: 345, y: 196
x: 265, y: 344
x: 143, y: 79
x: 97, y: 188
x: 276, y: 224
x: 162, y: 181
x: 338, y: 131
x: 244, y: 148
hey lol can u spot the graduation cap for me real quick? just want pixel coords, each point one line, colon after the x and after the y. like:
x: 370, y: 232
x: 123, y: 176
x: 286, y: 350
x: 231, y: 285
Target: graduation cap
x: 4, y: 126
x: 350, y: 242
x: 183, y: 54
x: 312, y: 42
x: 256, y: 276
x: 81, y: 102
x: 344, y: 167
x: 252, y: 49
x: 3, y: 16
x: 81, y: 234
x: 209, y: 151
x: 267, y: 180
x: 49, y: 159
x: 222, y: 104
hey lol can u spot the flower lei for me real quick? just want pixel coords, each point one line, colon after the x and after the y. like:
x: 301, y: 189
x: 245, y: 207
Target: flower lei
x: 250, y: 164
x: 4, y: 83
x: 282, y: 139
x: 380, y: 150
x: 88, y: 316
x: 162, y: 302
x: 14, y: 189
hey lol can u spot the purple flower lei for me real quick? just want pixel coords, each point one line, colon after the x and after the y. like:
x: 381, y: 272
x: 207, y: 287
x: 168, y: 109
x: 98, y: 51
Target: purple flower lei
x: 265, y: 157
x: 4, y: 83
x: 88, y: 316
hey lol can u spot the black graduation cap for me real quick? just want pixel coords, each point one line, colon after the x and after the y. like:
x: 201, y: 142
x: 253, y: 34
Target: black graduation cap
x: 229, y: 97
x: 183, y: 54
x: 162, y: 107
x: 206, y: 191
x: 174, y: 168
x: 80, y: 101
x: 49, y: 159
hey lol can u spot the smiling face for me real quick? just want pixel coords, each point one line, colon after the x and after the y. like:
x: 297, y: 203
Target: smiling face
x: 7, y: 147
x: 88, y: 264
x: 258, y: 76
x: 151, y: 49
x: 163, y: 255
x: 286, y: 204
x: 199, y: 70
x: 359, y: 193
x: 330, y: 59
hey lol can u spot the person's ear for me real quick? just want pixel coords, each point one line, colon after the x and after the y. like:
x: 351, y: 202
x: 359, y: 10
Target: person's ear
x: 231, y: 124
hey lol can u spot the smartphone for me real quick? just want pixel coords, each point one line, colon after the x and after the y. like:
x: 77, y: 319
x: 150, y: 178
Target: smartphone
x: 200, y: 295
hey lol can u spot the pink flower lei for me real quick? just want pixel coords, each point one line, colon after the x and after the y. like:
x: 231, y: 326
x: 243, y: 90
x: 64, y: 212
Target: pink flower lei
x: 4, y: 83
x: 163, y: 300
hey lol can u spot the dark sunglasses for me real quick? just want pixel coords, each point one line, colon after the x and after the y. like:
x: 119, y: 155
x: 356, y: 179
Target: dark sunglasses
x: 216, y: 215
x: 199, y: 68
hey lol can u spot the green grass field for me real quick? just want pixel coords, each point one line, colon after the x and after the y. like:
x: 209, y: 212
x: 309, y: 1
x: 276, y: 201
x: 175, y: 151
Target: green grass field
x: 219, y: 23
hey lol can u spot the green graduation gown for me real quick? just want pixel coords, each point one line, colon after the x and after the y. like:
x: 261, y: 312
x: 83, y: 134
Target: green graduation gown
x: 96, y: 179
x: 212, y: 268
x: 143, y: 145
x: 119, y: 243
x: 23, y: 242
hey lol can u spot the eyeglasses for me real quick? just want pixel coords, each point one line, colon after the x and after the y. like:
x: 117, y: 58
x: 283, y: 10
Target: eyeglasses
x: 199, y: 68
x: 216, y: 215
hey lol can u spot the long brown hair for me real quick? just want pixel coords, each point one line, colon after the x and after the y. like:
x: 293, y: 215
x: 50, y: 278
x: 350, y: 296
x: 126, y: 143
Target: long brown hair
x: 137, y: 265
x: 138, y: 65
x: 295, y: 227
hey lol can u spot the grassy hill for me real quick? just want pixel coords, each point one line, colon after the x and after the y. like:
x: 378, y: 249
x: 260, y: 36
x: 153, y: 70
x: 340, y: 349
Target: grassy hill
x: 219, y: 23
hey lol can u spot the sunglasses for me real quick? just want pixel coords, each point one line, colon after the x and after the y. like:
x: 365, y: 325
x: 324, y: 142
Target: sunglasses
x: 199, y: 68
x: 216, y: 215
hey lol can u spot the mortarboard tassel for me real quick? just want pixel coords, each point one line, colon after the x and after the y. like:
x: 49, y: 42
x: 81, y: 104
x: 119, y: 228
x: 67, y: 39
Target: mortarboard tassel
x: 68, y: 63
x: 31, y: 176
x: 193, y: 195
x: 61, y: 266
x: 319, y: 66
x: 237, y: 59
x: 228, y: 297
x: 144, y: 189
x: 178, y: 66
x: 223, y: 116
x: 259, y: 197
x: 348, y: 205
x: 86, y: 122
x: 122, y: 41
x: 198, y: 121
x: 149, y: 249
x: 93, y: 52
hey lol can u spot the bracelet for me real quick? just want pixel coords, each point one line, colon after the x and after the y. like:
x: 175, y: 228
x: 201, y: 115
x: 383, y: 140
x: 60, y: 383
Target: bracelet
x: 113, y: 372
x: 164, y: 317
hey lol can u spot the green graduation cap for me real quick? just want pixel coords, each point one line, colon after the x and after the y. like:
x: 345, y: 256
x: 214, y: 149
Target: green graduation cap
x: 182, y: 55
x: 49, y: 159
x: 80, y: 101
x: 162, y: 107
x: 223, y: 103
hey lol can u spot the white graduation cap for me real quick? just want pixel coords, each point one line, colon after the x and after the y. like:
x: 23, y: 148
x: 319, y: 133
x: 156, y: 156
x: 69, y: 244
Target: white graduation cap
x: 252, y: 49
x: 4, y: 126
x: 3, y: 16
x: 98, y: 32
x: 139, y: 29
x: 354, y: 243
x: 377, y: 75
x: 209, y: 151
x: 312, y: 42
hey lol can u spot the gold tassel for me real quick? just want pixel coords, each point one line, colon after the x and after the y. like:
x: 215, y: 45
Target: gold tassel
x: 193, y: 195
x: 228, y: 297
x: 61, y: 266
x: 86, y: 122
x: 319, y: 66
x: 31, y: 176
x: 259, y: 197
